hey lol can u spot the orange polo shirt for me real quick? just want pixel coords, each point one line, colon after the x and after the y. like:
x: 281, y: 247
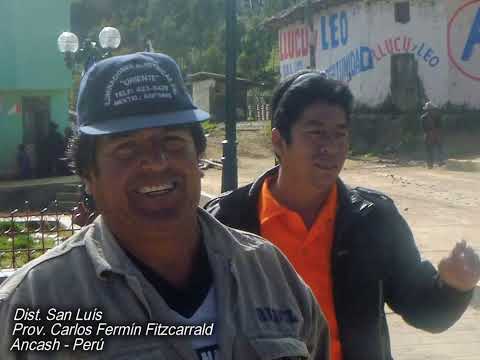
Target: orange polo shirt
x: 309, y: 250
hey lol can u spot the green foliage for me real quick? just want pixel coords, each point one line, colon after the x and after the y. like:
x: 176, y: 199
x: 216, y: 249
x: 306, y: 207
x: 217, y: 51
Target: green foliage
x: 27, y: 246
x: 26, y: 249
x: 21, y: 242
x: 256, y: 52
x: 7, y: 226
x: 209, y: 126
x: 192, y: 32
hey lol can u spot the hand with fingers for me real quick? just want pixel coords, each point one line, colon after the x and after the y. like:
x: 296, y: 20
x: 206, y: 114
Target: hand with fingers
x: 461, y: 269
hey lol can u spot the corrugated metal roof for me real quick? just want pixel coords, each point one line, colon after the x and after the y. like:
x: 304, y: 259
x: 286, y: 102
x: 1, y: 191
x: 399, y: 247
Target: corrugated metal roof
x: 206, y: 75
x: 297, y: 12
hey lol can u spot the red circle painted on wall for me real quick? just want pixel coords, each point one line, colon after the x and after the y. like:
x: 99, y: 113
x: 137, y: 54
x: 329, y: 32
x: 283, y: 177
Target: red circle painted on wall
x: 457, y: 34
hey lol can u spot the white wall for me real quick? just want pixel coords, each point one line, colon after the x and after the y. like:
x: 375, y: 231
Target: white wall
x: 372, y: 26
x: 354, y: 43
x: 201, y: 93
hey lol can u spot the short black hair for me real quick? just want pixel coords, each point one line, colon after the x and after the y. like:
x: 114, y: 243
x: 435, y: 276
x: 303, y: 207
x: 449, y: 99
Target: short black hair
x: 80, y: 153
x: 300, y: 90
x: 81, y: 149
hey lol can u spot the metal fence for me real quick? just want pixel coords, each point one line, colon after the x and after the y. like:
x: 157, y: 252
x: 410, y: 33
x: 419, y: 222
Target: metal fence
x: 25, y: 234
x: 259, y: 112
x: 258, y: 107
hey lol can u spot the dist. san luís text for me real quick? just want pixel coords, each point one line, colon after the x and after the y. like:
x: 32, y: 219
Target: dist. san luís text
x: 54, y: 314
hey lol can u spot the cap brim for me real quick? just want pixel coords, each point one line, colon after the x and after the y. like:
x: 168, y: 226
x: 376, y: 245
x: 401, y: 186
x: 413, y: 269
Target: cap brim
x: 139, y: 122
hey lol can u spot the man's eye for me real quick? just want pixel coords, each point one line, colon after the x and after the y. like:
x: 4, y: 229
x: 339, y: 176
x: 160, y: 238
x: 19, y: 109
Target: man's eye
x: 317, y: 133
x: 174, y: 144
x: 124, y: 152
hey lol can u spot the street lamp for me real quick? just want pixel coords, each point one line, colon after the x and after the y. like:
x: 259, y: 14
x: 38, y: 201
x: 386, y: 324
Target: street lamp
x: 68, y: 44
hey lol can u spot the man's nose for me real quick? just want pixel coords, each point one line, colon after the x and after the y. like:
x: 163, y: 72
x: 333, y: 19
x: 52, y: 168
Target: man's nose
x: 154, y: 157
x: 328, y: 144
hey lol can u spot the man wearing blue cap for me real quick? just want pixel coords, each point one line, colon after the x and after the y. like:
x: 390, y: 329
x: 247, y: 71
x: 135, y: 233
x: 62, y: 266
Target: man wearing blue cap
x: 154, y: 276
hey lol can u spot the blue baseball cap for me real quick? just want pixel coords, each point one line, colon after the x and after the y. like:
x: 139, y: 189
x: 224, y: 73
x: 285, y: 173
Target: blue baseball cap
x: 133, y: 92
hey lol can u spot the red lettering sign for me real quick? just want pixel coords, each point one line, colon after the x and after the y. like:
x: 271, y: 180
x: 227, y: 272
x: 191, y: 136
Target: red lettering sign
x: 293, y: 43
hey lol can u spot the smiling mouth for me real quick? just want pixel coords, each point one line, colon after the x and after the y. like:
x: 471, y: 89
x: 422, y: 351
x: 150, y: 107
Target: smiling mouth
x: 326, y: 166
x: 157, y: 190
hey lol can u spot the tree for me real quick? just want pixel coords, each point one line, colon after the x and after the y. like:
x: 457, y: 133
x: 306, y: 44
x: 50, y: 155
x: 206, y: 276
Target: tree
x: 191, y: 31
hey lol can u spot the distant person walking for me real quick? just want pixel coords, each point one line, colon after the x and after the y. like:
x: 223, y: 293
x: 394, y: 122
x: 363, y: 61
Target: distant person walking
x: 432, y: 128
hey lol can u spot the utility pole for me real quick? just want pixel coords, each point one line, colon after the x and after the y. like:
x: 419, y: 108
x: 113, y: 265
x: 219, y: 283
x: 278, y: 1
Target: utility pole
x: 308, y: 19
x: 229, y: 172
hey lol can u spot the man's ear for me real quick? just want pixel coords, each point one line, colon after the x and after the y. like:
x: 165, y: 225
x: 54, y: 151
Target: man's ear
x: 199, y: 163
x: 278, y: 143
x: 87, y: 186
x: 87, y: 182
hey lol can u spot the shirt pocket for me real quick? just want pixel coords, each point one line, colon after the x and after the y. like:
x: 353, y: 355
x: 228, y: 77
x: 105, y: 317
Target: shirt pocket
x: 280, y: 348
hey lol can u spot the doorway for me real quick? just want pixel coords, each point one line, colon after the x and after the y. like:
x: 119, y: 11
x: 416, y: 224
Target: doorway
x: 405, y: 85
x: 36, y: 117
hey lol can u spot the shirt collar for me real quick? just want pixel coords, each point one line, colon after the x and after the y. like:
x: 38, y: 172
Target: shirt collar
x: 108, y: 256
x: 270, y: 207
x: 105, y: 252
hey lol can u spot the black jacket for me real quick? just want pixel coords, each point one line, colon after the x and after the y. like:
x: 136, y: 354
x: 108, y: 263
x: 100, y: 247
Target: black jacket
x: 374, y: 261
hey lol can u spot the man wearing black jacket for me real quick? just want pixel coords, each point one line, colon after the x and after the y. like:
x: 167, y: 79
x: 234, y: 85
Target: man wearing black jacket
x: 351, y: 246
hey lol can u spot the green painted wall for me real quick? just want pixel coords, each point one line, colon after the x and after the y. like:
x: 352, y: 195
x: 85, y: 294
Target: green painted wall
x: 11, y: 133
x: 30, y: 65
x: 39, y: 65
x: 7, y: 46
x: 58, y: 104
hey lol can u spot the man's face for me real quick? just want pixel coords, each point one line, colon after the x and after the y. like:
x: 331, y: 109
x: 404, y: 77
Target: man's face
x: 147, y: 180
x: 318, y: 148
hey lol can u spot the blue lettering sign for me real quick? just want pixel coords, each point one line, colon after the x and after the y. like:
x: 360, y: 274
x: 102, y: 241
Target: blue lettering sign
x: 367, y: 58
x: 355, y: 62
x: 290, y: 68
x: 358, y: 61
x: 434, y: 61
x: 323, y: 30
x: 298, y: 65
x: 334, y: 30
x: 428, y: 55
x: 473, y: 38
x: 343, y: 28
